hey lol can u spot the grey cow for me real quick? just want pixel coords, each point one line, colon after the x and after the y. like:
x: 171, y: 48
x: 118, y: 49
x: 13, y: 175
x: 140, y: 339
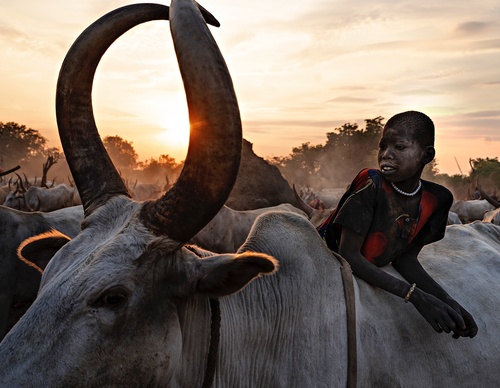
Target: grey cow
x: 228, y: 230
x: 43, y: 199
x: 19, y: 282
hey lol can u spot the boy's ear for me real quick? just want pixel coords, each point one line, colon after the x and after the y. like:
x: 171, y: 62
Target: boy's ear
x: 430, y: 153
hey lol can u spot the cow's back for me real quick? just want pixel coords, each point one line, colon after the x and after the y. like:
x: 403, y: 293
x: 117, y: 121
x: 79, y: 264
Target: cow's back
x: 284, y: 330
x: 297, y: 317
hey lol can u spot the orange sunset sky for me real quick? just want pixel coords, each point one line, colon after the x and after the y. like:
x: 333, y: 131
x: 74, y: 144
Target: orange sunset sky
x: 300, y: 69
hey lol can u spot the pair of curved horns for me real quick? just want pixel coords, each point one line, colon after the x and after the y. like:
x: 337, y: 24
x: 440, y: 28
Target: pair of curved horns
x: 214, y: 149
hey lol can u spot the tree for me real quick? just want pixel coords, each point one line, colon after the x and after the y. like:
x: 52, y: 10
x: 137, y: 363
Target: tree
x: 302, y: 165
x: 164, y: 169
x: 347, y: 150
x: 430, y: 171
x: 121, y: 152
x: 355, y: 148
x: 19, y: 144
x: 487, y: 171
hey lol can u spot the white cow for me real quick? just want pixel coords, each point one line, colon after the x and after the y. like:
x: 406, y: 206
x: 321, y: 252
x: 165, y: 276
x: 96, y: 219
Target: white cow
x: 453, y: 218
x: 126, y: 304
x: 43, y: 199
x: 145, y: 191
x: 4, y: 191
x: 331, y: 197
x: 315, y: 216
x: 473, y: 210
x: 229, y: 228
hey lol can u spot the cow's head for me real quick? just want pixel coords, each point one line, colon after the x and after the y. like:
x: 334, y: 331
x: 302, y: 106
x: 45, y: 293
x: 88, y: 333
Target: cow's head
x: 107, y: 309
x: 17, y: 199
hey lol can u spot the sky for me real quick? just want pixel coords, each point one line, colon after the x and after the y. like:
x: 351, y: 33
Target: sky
x: 300, y: 70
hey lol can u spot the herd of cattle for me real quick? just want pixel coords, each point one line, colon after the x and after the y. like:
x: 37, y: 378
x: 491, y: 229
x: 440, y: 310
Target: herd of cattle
x: 226, y: 232
x: 120, y: 297
x: 59, y: 208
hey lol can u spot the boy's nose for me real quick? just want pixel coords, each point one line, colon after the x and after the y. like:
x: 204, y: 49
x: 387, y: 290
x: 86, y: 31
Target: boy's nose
x: 387, y: 154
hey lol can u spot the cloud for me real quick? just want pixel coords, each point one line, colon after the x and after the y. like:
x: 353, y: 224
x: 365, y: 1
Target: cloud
x: 349, y: 99
x: 469, y: 28
x: 487, y: 44
x: 488, y: 84
x: 9, y: 33
x: 484, y: 114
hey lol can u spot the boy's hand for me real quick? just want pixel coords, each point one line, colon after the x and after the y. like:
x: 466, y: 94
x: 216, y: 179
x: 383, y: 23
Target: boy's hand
x: 470, y: 328
x: 443, y: 317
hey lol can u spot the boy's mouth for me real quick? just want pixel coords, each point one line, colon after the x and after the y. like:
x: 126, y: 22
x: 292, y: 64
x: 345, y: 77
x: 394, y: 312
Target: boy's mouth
x: 387, y: 168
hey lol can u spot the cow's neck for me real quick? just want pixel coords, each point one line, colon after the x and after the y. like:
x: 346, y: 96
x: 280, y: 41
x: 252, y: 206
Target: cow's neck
x: 195, y: 322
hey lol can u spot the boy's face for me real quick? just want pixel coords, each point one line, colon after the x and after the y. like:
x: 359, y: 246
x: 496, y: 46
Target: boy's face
x: 400, y: 155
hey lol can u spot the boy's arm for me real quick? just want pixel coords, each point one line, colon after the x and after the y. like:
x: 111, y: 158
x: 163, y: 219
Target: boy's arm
x: 350, y: 249
x: 440, y: 315
x: 410, y: 268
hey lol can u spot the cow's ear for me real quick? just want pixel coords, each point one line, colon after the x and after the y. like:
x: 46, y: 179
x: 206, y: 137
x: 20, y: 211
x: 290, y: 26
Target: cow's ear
x: 37, y: 251
x: 228, y: 273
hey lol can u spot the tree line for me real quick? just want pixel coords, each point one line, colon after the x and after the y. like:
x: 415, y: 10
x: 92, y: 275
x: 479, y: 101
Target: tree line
x: 27, y: 147
x: 347, y: 150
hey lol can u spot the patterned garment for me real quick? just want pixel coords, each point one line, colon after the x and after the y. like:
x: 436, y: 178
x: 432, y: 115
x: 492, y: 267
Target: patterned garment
x: 370, y: 207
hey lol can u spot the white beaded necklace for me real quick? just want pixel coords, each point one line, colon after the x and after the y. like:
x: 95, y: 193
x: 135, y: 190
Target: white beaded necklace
x: 404, y: 192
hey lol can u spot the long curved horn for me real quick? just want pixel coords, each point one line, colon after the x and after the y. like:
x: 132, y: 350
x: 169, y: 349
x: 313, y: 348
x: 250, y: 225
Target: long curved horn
x: 20, y: 180
x: 214, y: 149
x: 94, y: 173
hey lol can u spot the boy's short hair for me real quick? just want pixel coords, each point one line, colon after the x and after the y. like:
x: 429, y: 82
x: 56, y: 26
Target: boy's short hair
x: 418, y: 123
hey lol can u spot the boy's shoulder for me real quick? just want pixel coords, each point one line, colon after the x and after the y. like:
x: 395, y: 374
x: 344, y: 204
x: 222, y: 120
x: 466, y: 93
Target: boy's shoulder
x: 435, y: 187
x: 366, y: 175
x: 441, y: 192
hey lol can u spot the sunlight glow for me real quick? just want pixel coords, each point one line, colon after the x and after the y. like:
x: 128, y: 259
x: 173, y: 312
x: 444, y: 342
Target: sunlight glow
x: 175, y: 133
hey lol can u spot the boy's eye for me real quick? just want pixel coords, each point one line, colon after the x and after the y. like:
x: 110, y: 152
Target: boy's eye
x: 400, y: 147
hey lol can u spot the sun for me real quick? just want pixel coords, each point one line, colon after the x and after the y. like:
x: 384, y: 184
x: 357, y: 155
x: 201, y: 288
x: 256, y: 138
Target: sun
x: 175, y: 130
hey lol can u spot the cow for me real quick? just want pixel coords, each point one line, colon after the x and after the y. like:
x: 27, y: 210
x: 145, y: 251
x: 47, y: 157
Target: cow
x: 331, y: 197
x: 43, y: 199
x: 453, y: 218
x: 472, y: 210
x: 19, y: 282
x: 227, y: 231
x: 258, y: 183
x: 4, y: 191
x: 126, y: 303
x: 144, y: 191
x: 315, y: 216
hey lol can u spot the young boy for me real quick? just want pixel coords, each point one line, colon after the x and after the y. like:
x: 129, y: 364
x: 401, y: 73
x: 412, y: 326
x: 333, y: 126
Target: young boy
x: 388, y: 215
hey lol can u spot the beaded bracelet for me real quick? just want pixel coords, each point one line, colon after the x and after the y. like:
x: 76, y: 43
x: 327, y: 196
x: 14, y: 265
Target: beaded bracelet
x: 412, y: 288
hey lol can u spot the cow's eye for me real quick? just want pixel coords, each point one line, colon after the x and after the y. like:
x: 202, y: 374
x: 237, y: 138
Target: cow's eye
x: 113, y: 299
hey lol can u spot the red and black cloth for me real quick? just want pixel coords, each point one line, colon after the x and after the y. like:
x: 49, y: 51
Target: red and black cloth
x: 371, y: 208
